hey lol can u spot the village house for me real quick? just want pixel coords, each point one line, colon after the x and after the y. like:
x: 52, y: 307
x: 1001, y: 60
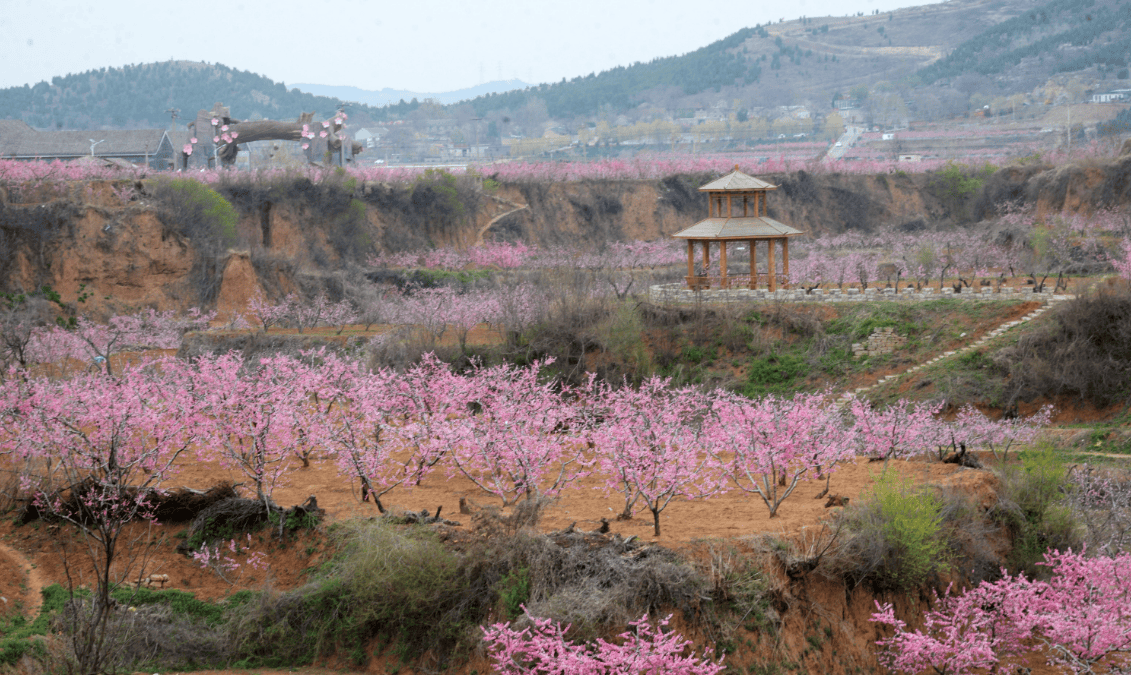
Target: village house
x: 155, y: 148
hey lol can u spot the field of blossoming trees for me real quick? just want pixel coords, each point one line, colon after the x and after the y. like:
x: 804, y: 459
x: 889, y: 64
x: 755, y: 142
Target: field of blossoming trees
x: 99, y: 424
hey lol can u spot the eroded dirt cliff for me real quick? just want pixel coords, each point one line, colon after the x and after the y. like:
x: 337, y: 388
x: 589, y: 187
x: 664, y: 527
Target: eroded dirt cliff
x: 137, y: 253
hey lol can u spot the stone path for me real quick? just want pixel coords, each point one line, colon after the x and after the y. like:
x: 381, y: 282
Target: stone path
x: 1000, y: 330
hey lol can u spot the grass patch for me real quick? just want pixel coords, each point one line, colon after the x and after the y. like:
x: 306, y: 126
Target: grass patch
x: 19, y: 634
x: 776, y: 374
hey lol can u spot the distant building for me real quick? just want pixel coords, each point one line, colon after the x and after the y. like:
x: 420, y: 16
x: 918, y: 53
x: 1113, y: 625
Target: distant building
x: 149, y: 147
x: 911, y: 158
x: 371, y: 137
x: 846, y: 103
x: 1112, y: 96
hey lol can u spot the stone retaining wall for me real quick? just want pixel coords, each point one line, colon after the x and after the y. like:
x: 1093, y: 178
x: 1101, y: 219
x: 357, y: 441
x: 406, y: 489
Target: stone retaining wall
x: 678, y: 293
x: 881, y: 341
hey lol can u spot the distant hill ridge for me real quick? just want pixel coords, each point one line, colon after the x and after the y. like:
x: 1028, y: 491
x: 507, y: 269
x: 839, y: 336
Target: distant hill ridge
x: 388, y: 96
x: 934, y: 56
x: 138, y: 96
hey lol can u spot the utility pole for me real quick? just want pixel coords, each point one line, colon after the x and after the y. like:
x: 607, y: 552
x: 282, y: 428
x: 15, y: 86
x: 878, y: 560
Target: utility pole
x: 477, y: 120
x: 1070, y: 129
x: 173, y: 118
x: 94, y: 143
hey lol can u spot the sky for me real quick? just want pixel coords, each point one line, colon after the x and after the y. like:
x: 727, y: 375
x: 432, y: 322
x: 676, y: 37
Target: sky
x: 426, y: 46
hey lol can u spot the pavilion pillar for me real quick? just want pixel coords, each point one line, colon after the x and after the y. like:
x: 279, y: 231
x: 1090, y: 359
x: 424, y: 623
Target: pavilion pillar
x: 785, y: 261
x: 691, y: 264
x: 753, y: 264
x: 772, y: 265
x: 707, y: 262
x: 723, y: 263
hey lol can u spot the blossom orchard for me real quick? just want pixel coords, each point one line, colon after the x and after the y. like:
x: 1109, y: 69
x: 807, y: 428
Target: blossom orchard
x: 517, y: 445
x: 87, y: 341
x: 765, y: 447
x: 1078, y: 619
x: 110, y: 441
x: 509, y: 430
x: 900, y: 431
x: 649, y: 445
x: 644, y: 649
x: 300, y: 313
x: 386, y: 429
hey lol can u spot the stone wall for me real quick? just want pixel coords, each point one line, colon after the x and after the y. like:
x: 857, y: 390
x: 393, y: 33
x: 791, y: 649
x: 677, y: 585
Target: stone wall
x: 678, y: 292
x: 881, y: 341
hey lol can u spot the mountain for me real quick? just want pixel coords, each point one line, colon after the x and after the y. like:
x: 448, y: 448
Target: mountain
x: 138, y: 96
x: 931, y: 61
x: 948, y: 52
x: 389, y: 96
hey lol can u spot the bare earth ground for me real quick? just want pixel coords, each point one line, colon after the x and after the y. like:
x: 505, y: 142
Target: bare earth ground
x: 733, y: 514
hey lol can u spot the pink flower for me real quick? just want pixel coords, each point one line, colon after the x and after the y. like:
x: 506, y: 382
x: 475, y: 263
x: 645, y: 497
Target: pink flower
x: 187, y: 149
x: 306, y: 146
x: 215, y: 139
x: 227, y: 138
x: 235, y: 134
x: 305, y: 129
x: 326, y: 124
x: 322, y: 134
x: 192, y: 140
x: 215, y: 121
x: 337, y: 120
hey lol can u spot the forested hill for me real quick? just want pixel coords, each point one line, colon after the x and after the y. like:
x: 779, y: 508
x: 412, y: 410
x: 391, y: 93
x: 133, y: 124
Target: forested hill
x: 1002, y: 46
x: 137, y: 96
x: 708, y: 68
x: 1064, y: 36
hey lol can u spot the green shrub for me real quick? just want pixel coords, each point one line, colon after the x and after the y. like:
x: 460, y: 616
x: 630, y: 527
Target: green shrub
x: 514, y: 590
x: 1033, y: 503
x: 896, y: 537
x: 198, y: 210
x: 403, y: 585
x: 206, y: 219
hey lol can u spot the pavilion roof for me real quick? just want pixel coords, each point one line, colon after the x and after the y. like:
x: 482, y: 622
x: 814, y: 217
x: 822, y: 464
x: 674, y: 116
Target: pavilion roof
x: 736, y: 181
x: 737, y: 228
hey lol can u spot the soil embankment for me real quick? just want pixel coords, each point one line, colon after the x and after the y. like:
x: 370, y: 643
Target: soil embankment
x: 137, y: 254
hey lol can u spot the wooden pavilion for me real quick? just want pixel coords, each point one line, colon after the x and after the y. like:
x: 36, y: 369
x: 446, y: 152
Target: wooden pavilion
x: 736, y: 212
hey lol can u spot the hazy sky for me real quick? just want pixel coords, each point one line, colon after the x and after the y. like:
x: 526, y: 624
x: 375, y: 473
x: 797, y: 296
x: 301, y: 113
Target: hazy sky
x: 427, y: 46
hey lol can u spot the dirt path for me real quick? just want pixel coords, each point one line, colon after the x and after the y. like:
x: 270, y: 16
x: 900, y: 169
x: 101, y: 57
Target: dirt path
x: 483, y: 230
x: 31, y: 589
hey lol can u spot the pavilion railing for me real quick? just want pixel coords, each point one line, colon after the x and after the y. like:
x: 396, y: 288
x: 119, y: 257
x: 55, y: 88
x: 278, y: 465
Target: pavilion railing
x: 761, y: 280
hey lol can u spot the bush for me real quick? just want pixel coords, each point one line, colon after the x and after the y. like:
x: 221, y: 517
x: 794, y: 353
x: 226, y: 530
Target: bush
x: 1033, y: 503
x: 896, y: 538
x: 198, y: 211
x: 402, y: 585
x: 207, y: 220
x: 1085, y: 351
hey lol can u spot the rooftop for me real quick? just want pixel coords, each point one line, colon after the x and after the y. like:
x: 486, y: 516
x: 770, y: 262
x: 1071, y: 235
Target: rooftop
x: 736, y: 181
x: 737, y: 228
